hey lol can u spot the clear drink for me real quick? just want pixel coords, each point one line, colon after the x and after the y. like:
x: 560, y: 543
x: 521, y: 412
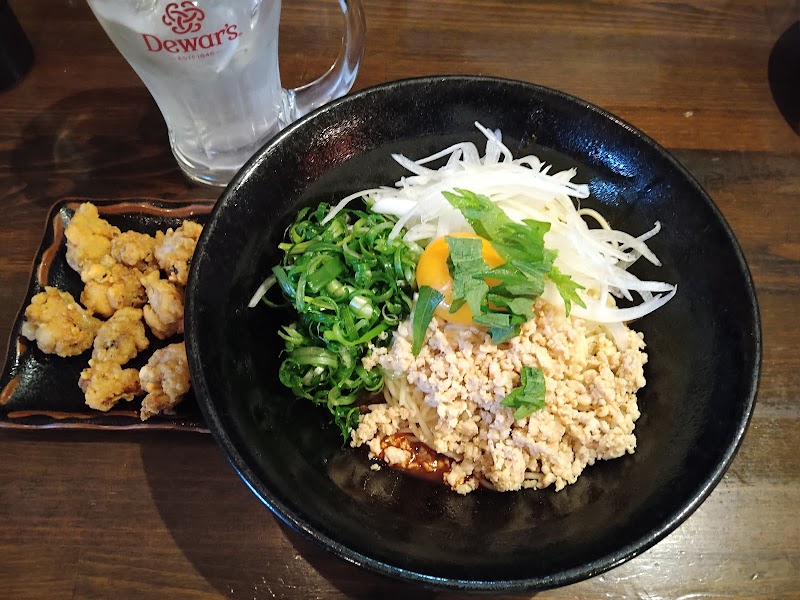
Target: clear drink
x: 212, y: 68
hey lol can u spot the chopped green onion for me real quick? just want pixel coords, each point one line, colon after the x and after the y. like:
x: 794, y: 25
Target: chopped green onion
x: 349, y: 283
x: 361, y: 306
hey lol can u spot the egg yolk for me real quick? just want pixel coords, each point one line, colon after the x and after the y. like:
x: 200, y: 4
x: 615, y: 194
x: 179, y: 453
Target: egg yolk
x: 432, y: 271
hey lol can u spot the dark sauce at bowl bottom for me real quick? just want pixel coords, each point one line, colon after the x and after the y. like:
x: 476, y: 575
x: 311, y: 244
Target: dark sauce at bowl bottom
x: 424, y: 462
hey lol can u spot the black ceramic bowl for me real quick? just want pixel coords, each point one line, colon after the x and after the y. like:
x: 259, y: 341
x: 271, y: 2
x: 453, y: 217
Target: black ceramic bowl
x: 704, y: 346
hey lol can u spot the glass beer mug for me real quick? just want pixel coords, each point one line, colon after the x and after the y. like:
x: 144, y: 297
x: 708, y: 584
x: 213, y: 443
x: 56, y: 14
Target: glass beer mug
x: 212, y: 68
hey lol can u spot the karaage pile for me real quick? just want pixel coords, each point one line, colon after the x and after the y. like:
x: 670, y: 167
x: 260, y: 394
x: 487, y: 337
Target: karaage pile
x: 132, y: 282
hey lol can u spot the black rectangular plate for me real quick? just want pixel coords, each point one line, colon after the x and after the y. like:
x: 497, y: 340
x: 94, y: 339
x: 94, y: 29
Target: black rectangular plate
x: 40, y: 391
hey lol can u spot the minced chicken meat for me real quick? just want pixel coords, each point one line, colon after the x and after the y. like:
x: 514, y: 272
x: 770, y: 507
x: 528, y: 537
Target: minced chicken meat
x: 590, y: 380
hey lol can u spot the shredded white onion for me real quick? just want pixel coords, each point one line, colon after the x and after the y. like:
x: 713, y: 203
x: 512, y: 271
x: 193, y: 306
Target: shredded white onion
x: 596, y: 258
x: 262, y: 289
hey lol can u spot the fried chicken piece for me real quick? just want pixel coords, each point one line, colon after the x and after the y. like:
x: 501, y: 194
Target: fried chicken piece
x: 105, y: 383
x: 165, y: 378
x: 136, y: 250
x: 111, y: 286
x: 88, y: 237
x: 58, y: 324
x: 174, y: 250
x: 164, y: 311
x: 121, y: 338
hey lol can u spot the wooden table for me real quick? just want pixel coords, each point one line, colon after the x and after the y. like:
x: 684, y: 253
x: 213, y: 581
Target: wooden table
x: 87, y: 514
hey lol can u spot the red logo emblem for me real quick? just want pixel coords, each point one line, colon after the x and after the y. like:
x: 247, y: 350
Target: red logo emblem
x: 185, y: 18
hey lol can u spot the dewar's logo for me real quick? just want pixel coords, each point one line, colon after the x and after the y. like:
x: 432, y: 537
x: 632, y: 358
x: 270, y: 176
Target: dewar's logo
x: 186, y: 18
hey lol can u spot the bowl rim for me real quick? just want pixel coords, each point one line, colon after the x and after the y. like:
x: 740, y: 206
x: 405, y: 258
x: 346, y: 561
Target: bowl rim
x: 561, y: 578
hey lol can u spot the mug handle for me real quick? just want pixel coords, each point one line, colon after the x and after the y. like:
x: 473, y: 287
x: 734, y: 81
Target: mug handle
x: 337, y: 80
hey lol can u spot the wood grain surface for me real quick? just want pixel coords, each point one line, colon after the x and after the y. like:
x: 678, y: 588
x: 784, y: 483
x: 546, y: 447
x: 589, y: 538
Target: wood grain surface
x: 88, y: 514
